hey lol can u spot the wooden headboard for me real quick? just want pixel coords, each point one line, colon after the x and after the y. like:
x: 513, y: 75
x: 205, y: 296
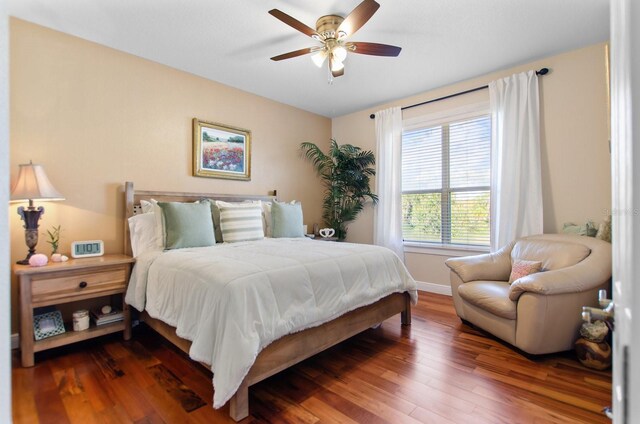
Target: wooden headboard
x: 133, y: 197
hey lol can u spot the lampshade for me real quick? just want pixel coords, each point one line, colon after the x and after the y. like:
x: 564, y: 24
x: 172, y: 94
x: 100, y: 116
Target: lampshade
x: 339, y: 53
x: 336, y: 65
x: 319, y: 57
x: 33, y: 184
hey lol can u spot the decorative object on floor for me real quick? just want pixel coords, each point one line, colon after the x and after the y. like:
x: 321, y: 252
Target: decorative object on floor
x: 87, y: 248
x: 327, y: 232
x: 32, y: 184
x: 53, y: 236
x: 38, y: 260
x: 81, y: 320
x: 332, y: 31
x: 345, y: 171
x: 591, y: 349
x: 221, y: 151
x: 47, y: 325
x: 595, y: 331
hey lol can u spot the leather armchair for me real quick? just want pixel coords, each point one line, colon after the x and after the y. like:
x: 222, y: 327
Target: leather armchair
x: 541, y: 312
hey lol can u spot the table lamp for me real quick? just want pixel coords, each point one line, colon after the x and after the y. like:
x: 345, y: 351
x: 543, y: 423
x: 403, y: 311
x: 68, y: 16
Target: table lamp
x: 32, y: 184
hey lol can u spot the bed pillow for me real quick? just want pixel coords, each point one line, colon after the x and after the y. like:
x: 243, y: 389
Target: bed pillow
x: 151, y: 206
x: 286, y: 220
x: 240, y: 221
x: 266, y: 219
x: 142, y: 232
x: 187, y: 225
x: 146, y: 206
x: 215, y: 213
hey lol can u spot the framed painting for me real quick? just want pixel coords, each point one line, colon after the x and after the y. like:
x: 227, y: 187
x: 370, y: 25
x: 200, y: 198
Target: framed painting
x: 221, y: 151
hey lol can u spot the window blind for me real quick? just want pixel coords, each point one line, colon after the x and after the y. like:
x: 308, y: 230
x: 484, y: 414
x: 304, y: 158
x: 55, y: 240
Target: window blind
x: 445, y: 182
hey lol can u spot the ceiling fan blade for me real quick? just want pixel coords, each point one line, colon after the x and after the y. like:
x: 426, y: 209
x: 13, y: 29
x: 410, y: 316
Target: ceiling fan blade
x: 358, y: 17
x: 374, y: 49
x: 293, y: 22
x: 295, y: 53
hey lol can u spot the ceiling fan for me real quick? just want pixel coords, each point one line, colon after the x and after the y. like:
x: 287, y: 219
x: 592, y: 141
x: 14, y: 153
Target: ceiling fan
x: 332, y: 31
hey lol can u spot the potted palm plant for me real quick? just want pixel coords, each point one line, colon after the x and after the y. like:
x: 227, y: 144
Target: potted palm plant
x: 345, y: 172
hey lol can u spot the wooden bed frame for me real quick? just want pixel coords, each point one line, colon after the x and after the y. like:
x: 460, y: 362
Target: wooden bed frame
x: 290, y: 349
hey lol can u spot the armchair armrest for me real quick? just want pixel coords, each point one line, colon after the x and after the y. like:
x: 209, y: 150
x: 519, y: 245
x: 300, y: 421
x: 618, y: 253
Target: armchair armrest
x: 490, y: 266
x: 586, y: 275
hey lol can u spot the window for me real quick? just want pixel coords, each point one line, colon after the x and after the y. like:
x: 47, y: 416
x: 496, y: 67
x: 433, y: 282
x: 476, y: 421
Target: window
x: 446, y: 179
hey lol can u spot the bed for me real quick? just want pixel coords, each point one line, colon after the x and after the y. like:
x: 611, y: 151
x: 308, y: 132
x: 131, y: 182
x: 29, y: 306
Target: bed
x: 279, y: 308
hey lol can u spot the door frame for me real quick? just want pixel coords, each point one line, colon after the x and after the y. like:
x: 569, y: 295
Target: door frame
x: 625, y: 129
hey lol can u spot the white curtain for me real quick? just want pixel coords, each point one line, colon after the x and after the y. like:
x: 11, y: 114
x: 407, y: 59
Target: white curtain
x: 516, y: 186
x: 387, y: 224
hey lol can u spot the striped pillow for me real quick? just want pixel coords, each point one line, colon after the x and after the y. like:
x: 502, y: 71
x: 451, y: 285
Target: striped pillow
x: 241, y: 223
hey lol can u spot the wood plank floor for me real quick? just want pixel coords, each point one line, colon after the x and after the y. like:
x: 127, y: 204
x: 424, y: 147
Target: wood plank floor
x: 436, y: 371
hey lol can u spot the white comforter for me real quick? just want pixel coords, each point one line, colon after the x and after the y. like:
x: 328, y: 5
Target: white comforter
x: 232, y: 300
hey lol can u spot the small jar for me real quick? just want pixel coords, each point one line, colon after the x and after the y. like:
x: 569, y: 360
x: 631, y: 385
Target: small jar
x: 80, y: 320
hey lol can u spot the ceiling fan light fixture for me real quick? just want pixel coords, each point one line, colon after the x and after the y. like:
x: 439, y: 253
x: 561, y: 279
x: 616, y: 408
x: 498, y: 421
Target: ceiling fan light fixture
x: 336, y: 65
x: 332, y: 32
x: 319, y: 58
x: 339, y: 53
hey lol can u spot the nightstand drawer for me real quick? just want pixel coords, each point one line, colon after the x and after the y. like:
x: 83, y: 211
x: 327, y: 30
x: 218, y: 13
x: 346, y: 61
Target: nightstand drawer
x: 49, y: 289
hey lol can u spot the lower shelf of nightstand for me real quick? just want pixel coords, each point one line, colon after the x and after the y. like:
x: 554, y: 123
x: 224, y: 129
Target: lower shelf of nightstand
x: 76, y: 336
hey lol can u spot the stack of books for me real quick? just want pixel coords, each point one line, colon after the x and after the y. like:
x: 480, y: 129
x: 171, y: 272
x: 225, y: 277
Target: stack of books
x: 100, y: 319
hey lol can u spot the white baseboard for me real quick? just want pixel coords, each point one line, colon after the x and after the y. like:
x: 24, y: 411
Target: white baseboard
x: 434, y: 288
x: 15, y: 341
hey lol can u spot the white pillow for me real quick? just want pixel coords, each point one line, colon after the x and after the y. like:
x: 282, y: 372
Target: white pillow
x: 146, y: 206
x: 151, y: 206
x: 241, y: 221
x: 266, y: 219
x: 142, y: 229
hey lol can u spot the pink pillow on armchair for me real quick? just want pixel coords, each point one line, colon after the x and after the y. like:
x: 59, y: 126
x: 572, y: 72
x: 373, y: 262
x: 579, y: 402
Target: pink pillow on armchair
x: 521, y: 268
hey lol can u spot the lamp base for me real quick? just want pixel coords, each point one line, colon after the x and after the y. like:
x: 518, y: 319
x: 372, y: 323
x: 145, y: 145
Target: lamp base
x: 30, y: 216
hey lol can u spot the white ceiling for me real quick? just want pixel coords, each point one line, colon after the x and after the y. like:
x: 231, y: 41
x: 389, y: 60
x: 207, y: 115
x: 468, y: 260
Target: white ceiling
x: 443, y: 41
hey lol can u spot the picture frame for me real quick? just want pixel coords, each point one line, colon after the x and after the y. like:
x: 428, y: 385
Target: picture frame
x: 47, y: 325
x: 221, y: 151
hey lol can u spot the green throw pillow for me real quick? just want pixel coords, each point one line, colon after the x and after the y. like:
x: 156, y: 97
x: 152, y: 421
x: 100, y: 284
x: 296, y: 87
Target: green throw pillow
x: 588, y: 229
x: 287, y: 220
x: 187, y: 225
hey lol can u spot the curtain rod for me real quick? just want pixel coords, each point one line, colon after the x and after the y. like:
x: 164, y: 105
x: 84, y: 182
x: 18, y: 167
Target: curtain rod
x: 542, y: 71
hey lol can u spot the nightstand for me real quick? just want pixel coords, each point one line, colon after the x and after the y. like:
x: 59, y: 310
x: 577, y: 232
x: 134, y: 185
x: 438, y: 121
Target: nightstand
x: 319, y: 238
x: 64, y: 282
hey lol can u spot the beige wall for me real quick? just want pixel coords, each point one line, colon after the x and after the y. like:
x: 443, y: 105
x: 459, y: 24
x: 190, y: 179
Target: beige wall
x: 575, y: 146
x: 96, y: 117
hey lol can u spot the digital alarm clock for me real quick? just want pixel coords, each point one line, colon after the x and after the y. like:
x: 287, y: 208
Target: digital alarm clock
x: 87, y: 249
